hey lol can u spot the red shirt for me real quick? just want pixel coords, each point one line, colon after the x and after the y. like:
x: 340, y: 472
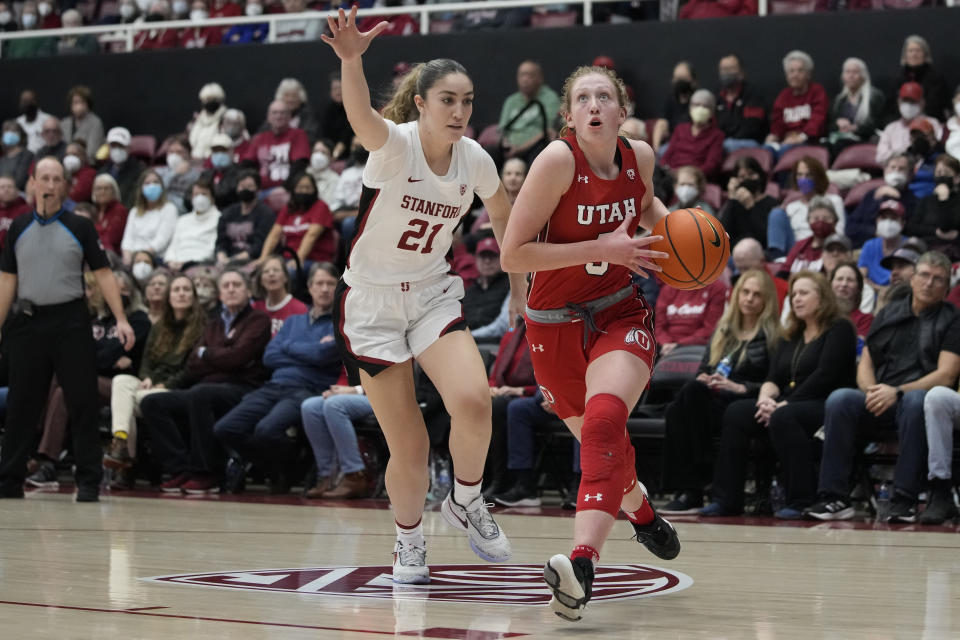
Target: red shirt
x: 695, y: 9
x: 155, y: 39
x: 227, y: 10
x: 199, y: 38
x: 402, y: 25
x: 704, y: 150
x: 689, y: 317
x: 802, y: 256
x: 590, y: 207
x: 806, y: 112
x: 81, y: 184
x: 296, y: 223
x: 861, y: 321
x: 10, y: 211
x: 290, y: 307
x: 513, y: 367
x: 275, y: 153
x: 111, y: 225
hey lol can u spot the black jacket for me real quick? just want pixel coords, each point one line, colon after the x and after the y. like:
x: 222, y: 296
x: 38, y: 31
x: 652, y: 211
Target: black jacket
x: 741, y: 222
x: 931, y: 330
x: 936, y: 97
x: 746, y: 118
x: 751, y: 371
x: 867, y: 130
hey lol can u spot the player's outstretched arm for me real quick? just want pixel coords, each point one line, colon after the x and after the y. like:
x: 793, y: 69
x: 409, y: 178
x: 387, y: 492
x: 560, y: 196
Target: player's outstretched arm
x: 349, y: 45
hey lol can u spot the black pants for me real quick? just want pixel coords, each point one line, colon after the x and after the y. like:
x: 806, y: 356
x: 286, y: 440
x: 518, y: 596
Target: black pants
x: 54, y: 340
x: 192, y: 412
x: 790, y: 429
x: 693, y: 420
x: 496, y: 470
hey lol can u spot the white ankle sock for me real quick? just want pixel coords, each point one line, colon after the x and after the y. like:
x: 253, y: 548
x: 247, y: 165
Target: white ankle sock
x: 464, y: 494
x: 411, y: 535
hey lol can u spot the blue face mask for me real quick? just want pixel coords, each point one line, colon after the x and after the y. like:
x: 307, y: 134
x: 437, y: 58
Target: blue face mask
x: 220, y: 159
x: 805, y: 185
x: 152, y: 191
x: 11, y: 138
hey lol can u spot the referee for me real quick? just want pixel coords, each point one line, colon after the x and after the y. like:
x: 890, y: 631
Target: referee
x: 42, y: 266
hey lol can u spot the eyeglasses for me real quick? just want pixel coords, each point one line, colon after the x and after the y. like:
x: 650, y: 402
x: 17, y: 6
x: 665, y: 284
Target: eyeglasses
x: 926, y: 276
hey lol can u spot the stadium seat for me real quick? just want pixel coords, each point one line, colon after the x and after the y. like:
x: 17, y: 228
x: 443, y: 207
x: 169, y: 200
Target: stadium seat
x: 773, y: 190
x: 760, y: 154
x: 857, y: 193
x: 554, y: 19
x: 790, y: 158
x: 489, y: 137
x: 858, y: 156
x: 143, y: 147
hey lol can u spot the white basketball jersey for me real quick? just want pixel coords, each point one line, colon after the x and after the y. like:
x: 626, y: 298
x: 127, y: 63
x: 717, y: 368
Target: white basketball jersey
x: 407, y: 214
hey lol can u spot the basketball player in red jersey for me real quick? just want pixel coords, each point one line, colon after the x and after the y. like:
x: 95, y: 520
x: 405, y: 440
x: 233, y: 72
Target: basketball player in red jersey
x: 590, y: 331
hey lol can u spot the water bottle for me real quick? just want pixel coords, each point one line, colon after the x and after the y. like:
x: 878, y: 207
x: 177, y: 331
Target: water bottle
x: 724, y: 367
x: 778, y: 497
x: 883, y: 501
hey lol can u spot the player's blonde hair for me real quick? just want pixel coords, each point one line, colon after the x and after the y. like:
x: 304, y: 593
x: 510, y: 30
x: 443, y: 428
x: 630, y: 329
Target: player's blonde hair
x: 580, y: 72
x: 401, y: 107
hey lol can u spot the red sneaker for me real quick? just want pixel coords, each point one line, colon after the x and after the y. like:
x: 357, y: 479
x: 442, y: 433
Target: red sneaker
x: 175, y: 484
x: 200, y: 485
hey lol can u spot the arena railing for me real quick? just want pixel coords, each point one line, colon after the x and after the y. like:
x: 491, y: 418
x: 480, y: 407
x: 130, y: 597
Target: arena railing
x: 124, y: 33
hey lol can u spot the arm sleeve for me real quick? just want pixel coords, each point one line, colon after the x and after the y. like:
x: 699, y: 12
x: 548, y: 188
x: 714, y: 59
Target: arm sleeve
x: 115, y: 233
x: 166, y: 228
x: 711, y: 166
x: 816, y: 125
x: 147, y: 363
x: 223, y: 242
x: 753, y: 125
x: 778, y: 374
x: 838, y: 360
x: 922, y: 224
x: 300, y: 147
x: 776, y: 116
x: 8, y: 258
x: 388, y: 160
x: 93, y: 253
x: 884, y: 146
x: 253, y: 336
x: 315, y: 353
x: 261, y: 229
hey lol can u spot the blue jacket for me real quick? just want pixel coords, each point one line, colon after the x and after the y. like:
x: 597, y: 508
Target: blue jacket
x: 304, y: 353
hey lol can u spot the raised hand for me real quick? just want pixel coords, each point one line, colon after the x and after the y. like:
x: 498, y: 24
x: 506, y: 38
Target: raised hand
x: 347, y: 41
x: 620, y: 247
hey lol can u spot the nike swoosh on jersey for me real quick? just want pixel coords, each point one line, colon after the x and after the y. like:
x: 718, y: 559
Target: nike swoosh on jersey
x: 414, y: 180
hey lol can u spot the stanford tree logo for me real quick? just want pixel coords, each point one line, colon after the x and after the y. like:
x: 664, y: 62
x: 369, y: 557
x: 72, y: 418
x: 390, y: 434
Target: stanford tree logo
x: 518, y: 584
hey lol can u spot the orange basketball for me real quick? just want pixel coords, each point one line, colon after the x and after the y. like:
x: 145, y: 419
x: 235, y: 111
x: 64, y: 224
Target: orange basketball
x: 698, y: 245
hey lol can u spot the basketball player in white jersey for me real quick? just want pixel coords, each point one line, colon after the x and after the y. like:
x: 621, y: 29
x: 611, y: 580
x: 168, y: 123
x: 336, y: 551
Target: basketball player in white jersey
x: 398, y: 301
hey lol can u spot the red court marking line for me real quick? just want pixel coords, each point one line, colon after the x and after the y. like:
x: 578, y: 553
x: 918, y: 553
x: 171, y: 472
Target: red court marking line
x: 145, y: 608
x: 433, y: 632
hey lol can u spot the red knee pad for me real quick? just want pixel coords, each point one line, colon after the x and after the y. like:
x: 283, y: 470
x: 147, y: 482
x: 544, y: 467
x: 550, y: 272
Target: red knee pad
x: 602, y: 454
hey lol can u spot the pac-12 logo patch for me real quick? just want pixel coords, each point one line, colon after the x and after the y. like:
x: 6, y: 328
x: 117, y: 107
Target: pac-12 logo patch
x: 463, y: 189
x: 631, y: 175
x: 512, y: 584
x: 639, y: 337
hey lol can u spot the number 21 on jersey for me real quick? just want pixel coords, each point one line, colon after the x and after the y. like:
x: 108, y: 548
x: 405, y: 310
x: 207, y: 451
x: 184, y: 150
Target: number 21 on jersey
x: 410, y: 240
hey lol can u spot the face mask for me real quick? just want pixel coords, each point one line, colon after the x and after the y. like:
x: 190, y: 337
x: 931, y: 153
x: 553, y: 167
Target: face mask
x: 233, y: 132
x: 822, y: 229
x: 303, y: 201
x: 254, y: 10
x: 29, y: 20
x: 947, y: 180
x: 142, y: 271
x: 211, y: 106
x: 727, y: 80
x: 319, y: 161
x: 180, y: 7
x: 127, y: 11
x: 44, y: 8
x: 752, y: 185
x: 5, y: 17
x: 201, y: 203
x: 805, y: 185
x: 11, y: 138
x: 700, y: 115
x: 152, y: 191
x: 71, y: 163
x: 895, y: 179
x: 686, y: 193
x: 682, y: 88
x: 887, y: 228
x: 247, y: 195
x: 198, y: 15
x: 220, y: 159
x: 909, y: 110
x: 174, y: 161
x: 118, y: 156
x: 921, y: 147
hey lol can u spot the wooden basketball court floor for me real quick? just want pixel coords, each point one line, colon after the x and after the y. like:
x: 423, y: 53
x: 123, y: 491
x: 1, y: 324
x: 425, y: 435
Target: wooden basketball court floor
x: 153, y: 567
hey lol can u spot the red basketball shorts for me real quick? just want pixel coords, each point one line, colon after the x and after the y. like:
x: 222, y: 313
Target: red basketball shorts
x: 560, y: 360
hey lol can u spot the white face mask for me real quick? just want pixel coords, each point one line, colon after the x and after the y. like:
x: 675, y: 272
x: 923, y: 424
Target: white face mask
x: 254, y: 10
x: 887, y: 228
x: 5, y: 17
x: 144, y: 5
x: 44, y: 8
x: 71, y: 163
x: 319, y: 161
x: 895, y: 179
x: 686, y: 193
x: 174, y: 161
x: 142, y: 271
x: 909, y: 110
x: 198, y: 15
x: 127, y: 11
x: 201, y: 203
x: 118, y: 156
x: 180, y: 7
x: 29, y: 20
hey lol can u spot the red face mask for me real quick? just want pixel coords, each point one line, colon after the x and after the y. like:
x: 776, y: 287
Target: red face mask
x: 822, y: 229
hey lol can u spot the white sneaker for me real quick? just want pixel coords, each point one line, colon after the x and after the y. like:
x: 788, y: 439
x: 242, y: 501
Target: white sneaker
x: 571, y: 583
x: 486, y: 538
x: 410, y: 564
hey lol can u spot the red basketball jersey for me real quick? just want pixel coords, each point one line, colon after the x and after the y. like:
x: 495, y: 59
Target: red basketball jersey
x: 591, y: 207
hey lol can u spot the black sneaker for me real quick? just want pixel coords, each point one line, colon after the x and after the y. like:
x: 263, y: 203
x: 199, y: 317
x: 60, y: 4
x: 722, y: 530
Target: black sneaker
x: 235, y: 476
x: 940, y: 507
x: 88, y: 494
x: 572, y: 584
x: 45, y: 477
x: 684, y: 503
x: 902, y: 510
x: 518, y: 496
x: 830, y: 508
x: 658, y: 536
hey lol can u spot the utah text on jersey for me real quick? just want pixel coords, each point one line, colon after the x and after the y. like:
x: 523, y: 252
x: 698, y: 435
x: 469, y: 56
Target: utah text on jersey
x: 612, y: 212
